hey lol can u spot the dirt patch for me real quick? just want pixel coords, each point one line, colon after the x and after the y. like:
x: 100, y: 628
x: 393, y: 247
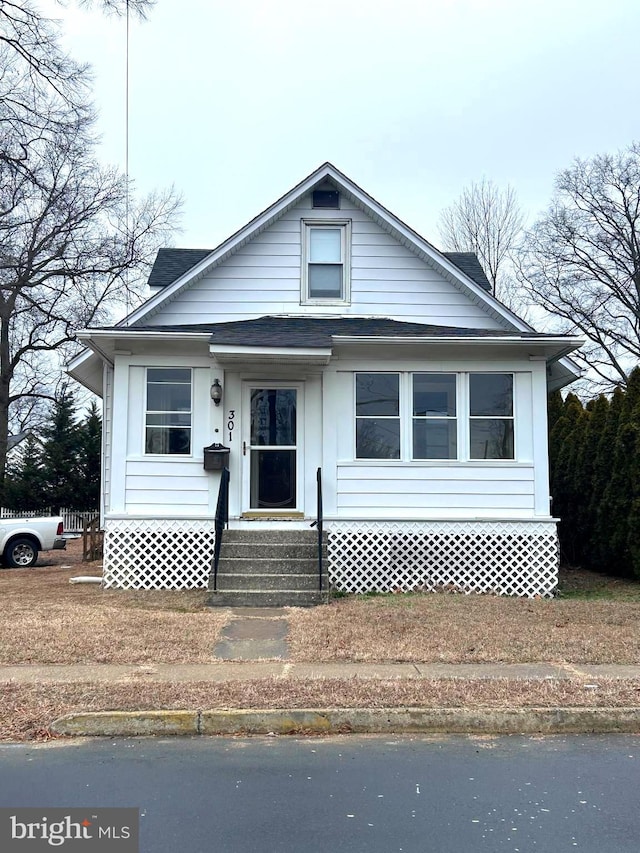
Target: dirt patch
x: 27, y: 711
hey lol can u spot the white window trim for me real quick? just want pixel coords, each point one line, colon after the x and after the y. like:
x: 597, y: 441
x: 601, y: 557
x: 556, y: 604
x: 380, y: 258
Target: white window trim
x: 345, y: 233
x: 463, y: 419
x: 168, y: 456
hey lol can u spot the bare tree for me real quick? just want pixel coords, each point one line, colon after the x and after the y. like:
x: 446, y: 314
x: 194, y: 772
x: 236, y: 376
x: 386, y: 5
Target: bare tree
x: 486, y: 220
x: 74, y: 241
x: 41, y: 87
x: 581, y: 261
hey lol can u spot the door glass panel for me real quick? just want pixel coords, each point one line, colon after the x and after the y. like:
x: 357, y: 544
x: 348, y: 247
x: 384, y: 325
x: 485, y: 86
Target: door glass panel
x: 273, y: 417
x: 273, y: 463
x: 273, y: 479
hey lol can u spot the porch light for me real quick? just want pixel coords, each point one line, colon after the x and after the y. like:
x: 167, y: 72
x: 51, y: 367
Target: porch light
x: 216, y: 391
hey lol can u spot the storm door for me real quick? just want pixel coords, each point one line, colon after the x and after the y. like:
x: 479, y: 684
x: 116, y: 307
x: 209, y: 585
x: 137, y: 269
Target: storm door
x: 272, y: 447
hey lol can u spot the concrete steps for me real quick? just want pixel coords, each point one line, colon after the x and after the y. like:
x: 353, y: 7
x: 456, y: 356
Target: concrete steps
x: 269, y: 568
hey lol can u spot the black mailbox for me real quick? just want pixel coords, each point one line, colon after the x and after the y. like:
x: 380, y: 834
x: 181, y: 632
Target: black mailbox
x: 216, y: 457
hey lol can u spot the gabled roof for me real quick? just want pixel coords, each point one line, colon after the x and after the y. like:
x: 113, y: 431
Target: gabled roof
x: 170, y: 264
x: 459, y: 272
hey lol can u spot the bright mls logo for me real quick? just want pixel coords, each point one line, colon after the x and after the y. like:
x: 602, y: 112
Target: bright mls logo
x: 108, y: 830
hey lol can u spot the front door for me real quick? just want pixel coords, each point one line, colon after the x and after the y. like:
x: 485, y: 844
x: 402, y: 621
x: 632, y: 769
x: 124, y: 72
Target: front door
x: 271, y: 448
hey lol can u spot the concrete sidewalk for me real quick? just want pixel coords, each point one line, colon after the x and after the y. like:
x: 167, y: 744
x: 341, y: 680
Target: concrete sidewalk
x: 249, y: 670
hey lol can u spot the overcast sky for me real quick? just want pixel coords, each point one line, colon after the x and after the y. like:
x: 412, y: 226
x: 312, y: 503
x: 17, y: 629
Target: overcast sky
x: 235, y: 102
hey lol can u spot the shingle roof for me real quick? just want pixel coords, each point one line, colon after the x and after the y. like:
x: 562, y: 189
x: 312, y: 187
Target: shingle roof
x: 319, y: 331
x: 468, y: 262
x: 170, y: 264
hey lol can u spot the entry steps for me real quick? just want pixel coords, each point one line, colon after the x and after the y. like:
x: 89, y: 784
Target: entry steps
x: 269, y: 568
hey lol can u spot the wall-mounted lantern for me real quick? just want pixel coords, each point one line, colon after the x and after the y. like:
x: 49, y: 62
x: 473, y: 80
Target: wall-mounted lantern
x: 216, y: 457
x: 216, y: 391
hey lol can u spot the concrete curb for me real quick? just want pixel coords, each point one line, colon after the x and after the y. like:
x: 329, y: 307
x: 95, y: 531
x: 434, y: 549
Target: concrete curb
x: 352, y: 720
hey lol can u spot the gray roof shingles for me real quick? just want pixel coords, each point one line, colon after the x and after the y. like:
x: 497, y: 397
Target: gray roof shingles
x: 319, y: 331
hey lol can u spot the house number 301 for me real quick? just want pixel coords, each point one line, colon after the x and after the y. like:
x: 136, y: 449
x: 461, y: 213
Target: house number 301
x: 231, y: 422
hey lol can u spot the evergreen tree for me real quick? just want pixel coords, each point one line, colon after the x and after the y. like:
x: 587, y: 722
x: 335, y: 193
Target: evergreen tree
x: 572, y: 426
x: 89, y: 467
x: 618, y: 495
x: 61, y: 452
x: 585, y: 478
x: 25, y: 483
x: 602, y: 509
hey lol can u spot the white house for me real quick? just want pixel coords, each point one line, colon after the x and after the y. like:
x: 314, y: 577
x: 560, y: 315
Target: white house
x: 338, y: 339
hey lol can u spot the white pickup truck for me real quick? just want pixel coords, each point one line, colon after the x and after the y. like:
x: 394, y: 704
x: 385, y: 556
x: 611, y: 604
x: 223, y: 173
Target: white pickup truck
x: 22, y: 538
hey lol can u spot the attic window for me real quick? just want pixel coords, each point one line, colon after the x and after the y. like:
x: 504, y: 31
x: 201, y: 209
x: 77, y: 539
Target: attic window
x: 327, y: 199
x: 325, y: 261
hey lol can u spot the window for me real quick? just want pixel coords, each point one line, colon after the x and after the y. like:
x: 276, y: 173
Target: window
x: 435, y: 425
x: 326, y: 198
x: 168, y: 415
x: 377, y: 416
x: 491, y: 416
x: 325, y: 273
x: 416, y: 416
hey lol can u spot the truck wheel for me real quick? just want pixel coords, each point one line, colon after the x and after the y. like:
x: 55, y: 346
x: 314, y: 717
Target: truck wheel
x: 20, y: 553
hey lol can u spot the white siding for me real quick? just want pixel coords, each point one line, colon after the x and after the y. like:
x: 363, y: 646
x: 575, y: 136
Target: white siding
x: 263, y: 278
x: 460, y: 489
x: 107, y: 432
x: 405, y: 492
x: 176, y: 486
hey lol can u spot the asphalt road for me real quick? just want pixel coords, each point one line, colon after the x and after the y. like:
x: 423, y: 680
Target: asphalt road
x: 446, y: 795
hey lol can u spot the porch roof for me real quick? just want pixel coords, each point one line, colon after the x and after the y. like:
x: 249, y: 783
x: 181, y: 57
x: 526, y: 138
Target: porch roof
x: 281, y: 331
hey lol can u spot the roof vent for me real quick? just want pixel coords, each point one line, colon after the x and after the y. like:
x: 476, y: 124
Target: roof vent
x: 326, y: 198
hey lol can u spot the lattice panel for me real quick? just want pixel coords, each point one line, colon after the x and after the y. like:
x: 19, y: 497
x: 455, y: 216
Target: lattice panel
x: 157, y: 554
x: 507, y: 558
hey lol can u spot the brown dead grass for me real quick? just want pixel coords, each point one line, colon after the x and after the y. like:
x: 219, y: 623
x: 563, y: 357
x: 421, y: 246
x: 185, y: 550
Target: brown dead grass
x: 27, y: 711
x: 445, y: 628
x: 45, y: 619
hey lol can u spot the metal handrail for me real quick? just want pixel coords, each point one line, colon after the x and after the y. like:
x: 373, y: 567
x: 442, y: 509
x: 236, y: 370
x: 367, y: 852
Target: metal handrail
x: 220, y: 522
x: 318, y: 523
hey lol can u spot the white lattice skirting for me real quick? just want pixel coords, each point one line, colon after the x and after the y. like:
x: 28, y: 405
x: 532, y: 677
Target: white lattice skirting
x: 507, y: 558
x: 157, y: 554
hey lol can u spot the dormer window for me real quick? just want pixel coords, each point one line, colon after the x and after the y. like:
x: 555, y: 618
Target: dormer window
x: 325, y: 261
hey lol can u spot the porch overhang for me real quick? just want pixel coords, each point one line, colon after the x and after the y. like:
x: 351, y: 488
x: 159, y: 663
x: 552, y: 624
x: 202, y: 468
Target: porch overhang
x: 231, y: 354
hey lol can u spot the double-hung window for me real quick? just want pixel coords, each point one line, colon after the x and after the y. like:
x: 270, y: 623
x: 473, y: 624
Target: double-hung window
x: 491, y: 416
x: 325, y: 262
x: 377, y: 416
x: 168, y: 411
x: 435, y: 423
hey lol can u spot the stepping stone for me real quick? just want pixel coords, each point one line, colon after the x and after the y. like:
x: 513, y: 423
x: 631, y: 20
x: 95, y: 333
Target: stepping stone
x: 253, y: 638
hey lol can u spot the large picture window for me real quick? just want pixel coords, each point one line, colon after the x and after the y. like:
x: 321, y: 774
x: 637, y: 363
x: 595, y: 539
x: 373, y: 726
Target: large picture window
x: 435, y: 424
x: 491, y: 416
x: 168, y: 412
x: 377, y: 416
